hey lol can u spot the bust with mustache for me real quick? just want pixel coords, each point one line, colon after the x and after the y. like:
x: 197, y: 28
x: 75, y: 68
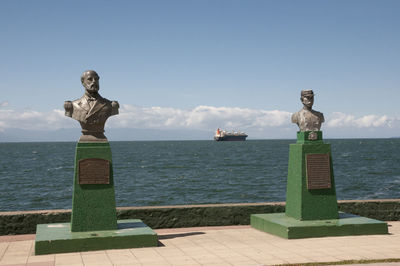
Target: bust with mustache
x: 91, y: 110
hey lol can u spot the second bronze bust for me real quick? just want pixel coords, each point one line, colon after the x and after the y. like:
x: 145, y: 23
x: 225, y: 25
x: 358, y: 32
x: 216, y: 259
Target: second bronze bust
x: 308, y: 119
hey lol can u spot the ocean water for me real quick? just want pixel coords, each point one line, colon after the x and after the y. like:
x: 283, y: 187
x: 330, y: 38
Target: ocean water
x: 37, y: 176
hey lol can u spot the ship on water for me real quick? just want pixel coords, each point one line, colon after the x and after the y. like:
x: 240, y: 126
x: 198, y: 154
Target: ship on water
x: 222, y: 135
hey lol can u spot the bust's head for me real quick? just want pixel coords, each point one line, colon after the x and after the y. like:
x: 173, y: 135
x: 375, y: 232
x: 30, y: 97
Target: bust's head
x: 90, y: 80
x: 307, y: 98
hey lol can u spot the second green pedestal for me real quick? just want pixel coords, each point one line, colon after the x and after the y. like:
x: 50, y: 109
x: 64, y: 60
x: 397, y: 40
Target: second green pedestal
x: 311, y: 204
x: 310, y: 191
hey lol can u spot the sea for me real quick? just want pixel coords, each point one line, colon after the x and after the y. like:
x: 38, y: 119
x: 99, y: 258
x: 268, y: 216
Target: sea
x: 39, y: 176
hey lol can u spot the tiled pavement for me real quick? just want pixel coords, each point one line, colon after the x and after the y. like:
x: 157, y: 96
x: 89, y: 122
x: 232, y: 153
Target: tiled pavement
x: 229, y: 245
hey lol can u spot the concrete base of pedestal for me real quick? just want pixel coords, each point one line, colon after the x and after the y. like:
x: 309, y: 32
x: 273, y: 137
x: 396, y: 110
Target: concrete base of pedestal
x: 58, y: 238
x: 287, y: 227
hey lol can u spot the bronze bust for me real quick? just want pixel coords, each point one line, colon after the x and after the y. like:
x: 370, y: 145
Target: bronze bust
x: 308, y: 119
x: 91, y: 110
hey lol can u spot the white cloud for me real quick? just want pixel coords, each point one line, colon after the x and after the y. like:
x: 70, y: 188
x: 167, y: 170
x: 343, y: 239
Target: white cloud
x: 267, y: 122
x: 34, y: 120
x: 338, y: 119
x: 200, y: 117
x: 3, y: 104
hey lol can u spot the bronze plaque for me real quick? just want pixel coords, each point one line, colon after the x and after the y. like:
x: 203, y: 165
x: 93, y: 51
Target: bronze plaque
x: 318, y: 171
x: 94, y: 171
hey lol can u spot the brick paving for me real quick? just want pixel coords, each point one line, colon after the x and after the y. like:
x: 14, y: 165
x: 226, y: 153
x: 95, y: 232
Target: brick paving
x: 225, y: 245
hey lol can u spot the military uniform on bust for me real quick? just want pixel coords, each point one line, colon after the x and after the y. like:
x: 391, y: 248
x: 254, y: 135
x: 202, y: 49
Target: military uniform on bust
x: 308, y: 119
x: 91, y: 110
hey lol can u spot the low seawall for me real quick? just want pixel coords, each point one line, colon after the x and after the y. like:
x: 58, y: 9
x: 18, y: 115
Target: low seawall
x: 24, y: 222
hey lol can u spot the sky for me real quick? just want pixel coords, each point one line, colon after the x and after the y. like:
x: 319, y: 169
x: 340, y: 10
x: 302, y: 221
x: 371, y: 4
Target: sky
x: 181, y: 69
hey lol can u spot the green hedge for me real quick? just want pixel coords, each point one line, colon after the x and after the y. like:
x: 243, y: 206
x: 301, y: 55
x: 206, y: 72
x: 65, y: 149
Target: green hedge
x: 25, y: 222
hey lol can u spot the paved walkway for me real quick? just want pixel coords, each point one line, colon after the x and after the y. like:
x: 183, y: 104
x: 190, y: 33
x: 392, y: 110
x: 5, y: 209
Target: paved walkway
x: 228, y: 245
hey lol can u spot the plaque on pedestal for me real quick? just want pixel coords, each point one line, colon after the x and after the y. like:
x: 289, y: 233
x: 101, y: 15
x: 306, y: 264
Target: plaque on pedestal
x: 94, y: 171
x: 318, y: 171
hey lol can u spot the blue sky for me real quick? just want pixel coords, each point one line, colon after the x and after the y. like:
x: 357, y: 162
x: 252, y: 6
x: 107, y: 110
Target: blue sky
x: 198, y: 65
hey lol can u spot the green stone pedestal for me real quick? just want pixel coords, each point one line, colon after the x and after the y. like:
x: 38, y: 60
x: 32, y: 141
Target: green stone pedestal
x: 303, y: 203
x: 287, y: 227
x: 93, y: 205
x: 94, y: 224
x: 58, y: 238
x: 311, y: 205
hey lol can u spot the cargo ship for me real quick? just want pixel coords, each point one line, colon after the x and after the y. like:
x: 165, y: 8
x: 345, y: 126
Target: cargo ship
x: 222, y: 135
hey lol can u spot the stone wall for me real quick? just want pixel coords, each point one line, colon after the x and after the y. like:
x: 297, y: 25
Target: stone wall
x: 193, y: 215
